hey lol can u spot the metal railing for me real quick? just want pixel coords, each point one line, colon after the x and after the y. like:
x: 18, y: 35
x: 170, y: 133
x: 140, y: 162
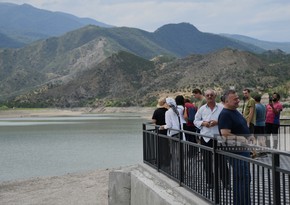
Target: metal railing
x: 220, y: 174
x: 284, y: 135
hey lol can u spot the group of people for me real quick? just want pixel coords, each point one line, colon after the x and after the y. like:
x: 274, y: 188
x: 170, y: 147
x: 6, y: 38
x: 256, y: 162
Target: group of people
x: 263, y: 120
x: 223, y: 120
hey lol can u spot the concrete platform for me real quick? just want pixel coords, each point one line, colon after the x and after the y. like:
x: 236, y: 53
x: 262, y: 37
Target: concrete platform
x: 143, y: 185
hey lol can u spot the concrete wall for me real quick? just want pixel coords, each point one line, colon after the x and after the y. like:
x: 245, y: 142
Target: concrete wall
x: 142, y: 185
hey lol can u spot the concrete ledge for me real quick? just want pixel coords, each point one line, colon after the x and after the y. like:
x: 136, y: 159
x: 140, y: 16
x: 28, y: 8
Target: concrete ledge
x: 120, y: 186
x: 143, y: 185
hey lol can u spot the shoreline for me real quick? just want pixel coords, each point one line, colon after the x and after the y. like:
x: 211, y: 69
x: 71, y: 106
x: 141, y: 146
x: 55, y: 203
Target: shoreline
x: 145, y: 112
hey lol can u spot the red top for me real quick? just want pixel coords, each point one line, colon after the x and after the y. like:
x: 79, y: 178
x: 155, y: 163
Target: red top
x: 187, y: 106
x: 270, y: 115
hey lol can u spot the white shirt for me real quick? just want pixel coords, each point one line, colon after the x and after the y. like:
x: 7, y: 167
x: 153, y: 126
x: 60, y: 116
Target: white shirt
x: 204, y: 113
x: 172, y: 122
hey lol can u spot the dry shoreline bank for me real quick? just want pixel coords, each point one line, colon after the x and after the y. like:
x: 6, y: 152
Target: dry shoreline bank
x: 76, y: 188
x: 145, y: 112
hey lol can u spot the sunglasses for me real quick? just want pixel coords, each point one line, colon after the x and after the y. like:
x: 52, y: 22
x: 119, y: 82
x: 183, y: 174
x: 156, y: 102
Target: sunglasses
x: 209, y: 95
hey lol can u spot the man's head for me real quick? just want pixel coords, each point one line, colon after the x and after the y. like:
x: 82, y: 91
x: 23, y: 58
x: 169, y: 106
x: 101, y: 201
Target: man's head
x: 257, y: 98
x: 179, y: 99
x: 246, y: 93
x: 231, y: 100
x: 197, y: 93
x: 210, y: 96
x: 276, y: 97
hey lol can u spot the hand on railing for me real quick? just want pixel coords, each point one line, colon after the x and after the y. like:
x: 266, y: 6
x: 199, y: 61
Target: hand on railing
x: 252, y: 140
x: 235, y: 140
x: 162, y: 127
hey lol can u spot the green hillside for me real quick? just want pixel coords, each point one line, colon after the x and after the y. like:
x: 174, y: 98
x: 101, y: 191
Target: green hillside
x: 132, y: 66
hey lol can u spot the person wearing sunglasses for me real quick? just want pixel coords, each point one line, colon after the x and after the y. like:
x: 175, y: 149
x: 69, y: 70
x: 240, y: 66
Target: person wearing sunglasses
x: 206, y: 119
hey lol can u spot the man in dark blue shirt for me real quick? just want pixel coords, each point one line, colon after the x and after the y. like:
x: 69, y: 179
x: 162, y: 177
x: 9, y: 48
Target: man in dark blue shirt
x: 234, y: 130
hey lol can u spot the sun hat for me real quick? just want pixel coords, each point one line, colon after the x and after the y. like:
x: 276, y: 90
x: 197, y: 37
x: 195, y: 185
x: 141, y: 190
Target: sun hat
x: 161, y: 102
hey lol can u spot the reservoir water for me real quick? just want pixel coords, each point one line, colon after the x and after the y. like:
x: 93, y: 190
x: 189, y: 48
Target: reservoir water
x: 33, y: 147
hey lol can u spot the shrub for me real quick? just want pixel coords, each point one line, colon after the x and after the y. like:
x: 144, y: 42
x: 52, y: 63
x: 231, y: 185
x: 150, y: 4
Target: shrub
x: 4, y: 107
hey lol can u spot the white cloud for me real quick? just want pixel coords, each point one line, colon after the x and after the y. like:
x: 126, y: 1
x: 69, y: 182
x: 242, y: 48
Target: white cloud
x: 262, y: 19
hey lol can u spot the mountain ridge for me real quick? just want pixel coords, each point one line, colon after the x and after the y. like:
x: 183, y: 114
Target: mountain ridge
x: 58, y: 61
x: 57, y: 57
x: 125, y: 79
x: 25, y: 23
x: 284, y: 46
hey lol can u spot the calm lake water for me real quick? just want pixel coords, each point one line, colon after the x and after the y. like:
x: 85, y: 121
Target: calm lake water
x: 32, y: 147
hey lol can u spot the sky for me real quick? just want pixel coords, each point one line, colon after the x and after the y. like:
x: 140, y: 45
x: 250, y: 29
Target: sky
x: 267, y: 20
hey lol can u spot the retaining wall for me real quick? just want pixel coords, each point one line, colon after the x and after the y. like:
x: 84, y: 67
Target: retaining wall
x: 143, y: 185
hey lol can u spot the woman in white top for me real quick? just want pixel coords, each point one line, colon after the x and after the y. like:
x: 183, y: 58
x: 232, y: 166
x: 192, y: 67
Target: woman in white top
x: 171, y: 118
x: 172, y: 121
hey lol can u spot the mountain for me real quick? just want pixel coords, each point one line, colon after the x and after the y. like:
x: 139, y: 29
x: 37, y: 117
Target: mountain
x: 125, y: 79
x: 115, y: 64
x: 186, y: 39
x: 116, y: 78
x: 6, y: 41
x: 25, y: 23
x: 285, y: 46
x: 61, y: 58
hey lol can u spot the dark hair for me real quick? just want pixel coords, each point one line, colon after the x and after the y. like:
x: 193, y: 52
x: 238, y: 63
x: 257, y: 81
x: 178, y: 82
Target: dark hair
x: 179, y: 99
x: 248, y: 90
x: 196, y: 91
x: 278, y: 95
x: 226, y: 94
x: 257, y: 98
x: 223, y: 98
x: 187, y: 100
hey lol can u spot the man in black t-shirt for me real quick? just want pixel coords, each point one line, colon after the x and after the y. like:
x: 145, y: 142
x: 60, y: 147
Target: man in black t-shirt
x: 234, y: 129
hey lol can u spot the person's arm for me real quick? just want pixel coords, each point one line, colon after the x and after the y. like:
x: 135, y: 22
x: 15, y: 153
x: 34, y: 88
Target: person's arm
x: 227, y: 135
x: 276, y: 110
x: 154, y: 116
x: 251, y: 115
x: 185, y: 115
x: 168, y: 121
x: 198, y: 120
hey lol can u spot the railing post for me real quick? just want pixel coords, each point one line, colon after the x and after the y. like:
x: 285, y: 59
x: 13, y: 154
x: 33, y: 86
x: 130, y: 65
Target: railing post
x: 216, y: 172
x: 181, y: 176
x: 157, y: 148
x: 276, y: 179
x: 144, y: 146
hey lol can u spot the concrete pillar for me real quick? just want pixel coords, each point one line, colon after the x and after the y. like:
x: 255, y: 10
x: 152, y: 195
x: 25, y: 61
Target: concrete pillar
x: 119, y: 188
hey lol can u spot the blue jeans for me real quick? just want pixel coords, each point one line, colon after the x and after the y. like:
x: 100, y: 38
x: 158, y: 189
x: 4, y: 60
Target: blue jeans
x: 241, y: 180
